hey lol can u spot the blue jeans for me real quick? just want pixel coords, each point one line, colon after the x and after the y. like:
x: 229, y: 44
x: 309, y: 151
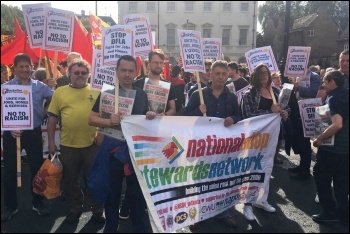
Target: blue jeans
x: 31, y: 141
x: 137, y: 206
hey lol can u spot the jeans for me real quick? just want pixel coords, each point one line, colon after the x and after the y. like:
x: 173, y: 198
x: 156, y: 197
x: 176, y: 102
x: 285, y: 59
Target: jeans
x: 31, y: 141
x: 137, y: 204
x: 332, y: 167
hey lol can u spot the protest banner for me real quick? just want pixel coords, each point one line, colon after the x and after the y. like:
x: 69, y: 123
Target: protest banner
x: 261, y: 55
x: 193, y: 168
x: 212, y: 48
x: 107, y: 107
x: 16, y: 107
x: 142, y: 34
x: 117, y: 40
x: 191, y: 50
x: 157, y: 95
x: 34, y: 19
x: 307, y: 114
x: 297, y: 61
x: 322, y: 121
x: 58, y: 30
x: 100, y: 75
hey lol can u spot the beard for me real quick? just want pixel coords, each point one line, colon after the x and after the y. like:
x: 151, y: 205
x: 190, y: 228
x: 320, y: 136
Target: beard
x: 156, y: 71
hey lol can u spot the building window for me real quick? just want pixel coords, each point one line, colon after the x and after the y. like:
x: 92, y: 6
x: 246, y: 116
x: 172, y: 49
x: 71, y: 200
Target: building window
x: 206, y: 33
x: 207, y: 6
x: 244, y: 6
x: 226, y: 36
x: 346, y: 46
x: 132, y: 6
x: 243, y: 34
x: 151, y: 6
x: 170, y: 6
x: 311, y: 33
x: 189, y: 6
x: 226, y: 7
x: 170, y: 37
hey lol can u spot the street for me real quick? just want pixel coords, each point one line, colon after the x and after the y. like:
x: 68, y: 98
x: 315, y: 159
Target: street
x: 293, y: 200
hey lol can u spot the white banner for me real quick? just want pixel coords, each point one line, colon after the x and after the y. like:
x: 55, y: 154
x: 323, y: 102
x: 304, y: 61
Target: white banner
x: 193, y: 168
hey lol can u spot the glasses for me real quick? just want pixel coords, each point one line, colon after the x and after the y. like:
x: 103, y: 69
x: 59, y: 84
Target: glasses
x: 157, y: 63
x: 77, y: 73
x: 262, y: 74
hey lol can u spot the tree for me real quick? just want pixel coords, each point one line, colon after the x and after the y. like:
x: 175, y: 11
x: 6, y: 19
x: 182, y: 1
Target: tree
x: 260, y: 42
x: 275, y: 10
x: 7, y: 15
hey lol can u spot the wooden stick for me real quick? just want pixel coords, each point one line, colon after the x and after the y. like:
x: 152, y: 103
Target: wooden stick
x: 201, y: 100
x: 48, y: 62
x: 116, y: 94
x: 55, y: 68
x: 272, y: 96
x: 39, y: 58
x: 19, y: 163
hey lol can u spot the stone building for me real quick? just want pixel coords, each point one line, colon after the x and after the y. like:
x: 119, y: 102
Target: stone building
x: 234, y: 22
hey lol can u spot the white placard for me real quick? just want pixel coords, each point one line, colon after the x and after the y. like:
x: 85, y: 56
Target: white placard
x: 143, y: 33
x: 191, y: 50
x: 212, y: 48
x: 16, y: 107
x: 117, y: 40
x: 34, y: 19
x: 297, y: 61
x: 58, y: 29
x: 261, y: 55
x: 100, y: 75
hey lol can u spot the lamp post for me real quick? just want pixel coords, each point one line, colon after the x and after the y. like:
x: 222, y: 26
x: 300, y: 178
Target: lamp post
x: 186, y: 24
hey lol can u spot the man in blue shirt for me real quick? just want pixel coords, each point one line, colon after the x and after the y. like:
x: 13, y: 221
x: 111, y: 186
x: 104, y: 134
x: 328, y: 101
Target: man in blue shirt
x: 218, y: 102
x: 31, y: 140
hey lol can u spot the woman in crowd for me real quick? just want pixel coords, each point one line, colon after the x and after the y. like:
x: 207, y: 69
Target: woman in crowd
x: 258, y: 101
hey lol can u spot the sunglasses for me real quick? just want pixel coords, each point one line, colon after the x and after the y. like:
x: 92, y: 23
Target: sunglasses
x: 77, y: 73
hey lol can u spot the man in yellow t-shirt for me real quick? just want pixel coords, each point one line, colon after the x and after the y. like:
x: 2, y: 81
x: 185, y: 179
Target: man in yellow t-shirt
x: 78, y: 143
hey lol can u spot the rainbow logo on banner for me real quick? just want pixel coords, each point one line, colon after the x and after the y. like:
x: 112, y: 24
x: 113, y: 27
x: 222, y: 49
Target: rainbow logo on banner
x: 147, y: 149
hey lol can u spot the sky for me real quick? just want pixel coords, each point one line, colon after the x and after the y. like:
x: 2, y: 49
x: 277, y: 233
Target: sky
x: 104, y: 8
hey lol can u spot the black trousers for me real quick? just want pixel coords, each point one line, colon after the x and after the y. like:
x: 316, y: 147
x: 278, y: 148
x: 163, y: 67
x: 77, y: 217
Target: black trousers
x: 332, y: 167
x: 32, y: 143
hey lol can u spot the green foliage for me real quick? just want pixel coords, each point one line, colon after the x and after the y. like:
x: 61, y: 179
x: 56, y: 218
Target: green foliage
x: 7, y: 17
x: 275, y: 10
x: 260, y: 42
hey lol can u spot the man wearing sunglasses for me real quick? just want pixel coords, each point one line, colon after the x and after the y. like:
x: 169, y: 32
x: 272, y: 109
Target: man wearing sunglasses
x: 78, y: 140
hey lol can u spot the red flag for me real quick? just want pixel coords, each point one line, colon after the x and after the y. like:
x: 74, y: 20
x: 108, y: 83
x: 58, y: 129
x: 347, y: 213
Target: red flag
x: 18, y: 30
x: 19, y: 45
x: 82, y: 43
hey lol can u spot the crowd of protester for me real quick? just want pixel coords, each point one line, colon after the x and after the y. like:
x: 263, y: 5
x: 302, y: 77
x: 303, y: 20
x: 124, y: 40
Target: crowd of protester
x: 80, y: 142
